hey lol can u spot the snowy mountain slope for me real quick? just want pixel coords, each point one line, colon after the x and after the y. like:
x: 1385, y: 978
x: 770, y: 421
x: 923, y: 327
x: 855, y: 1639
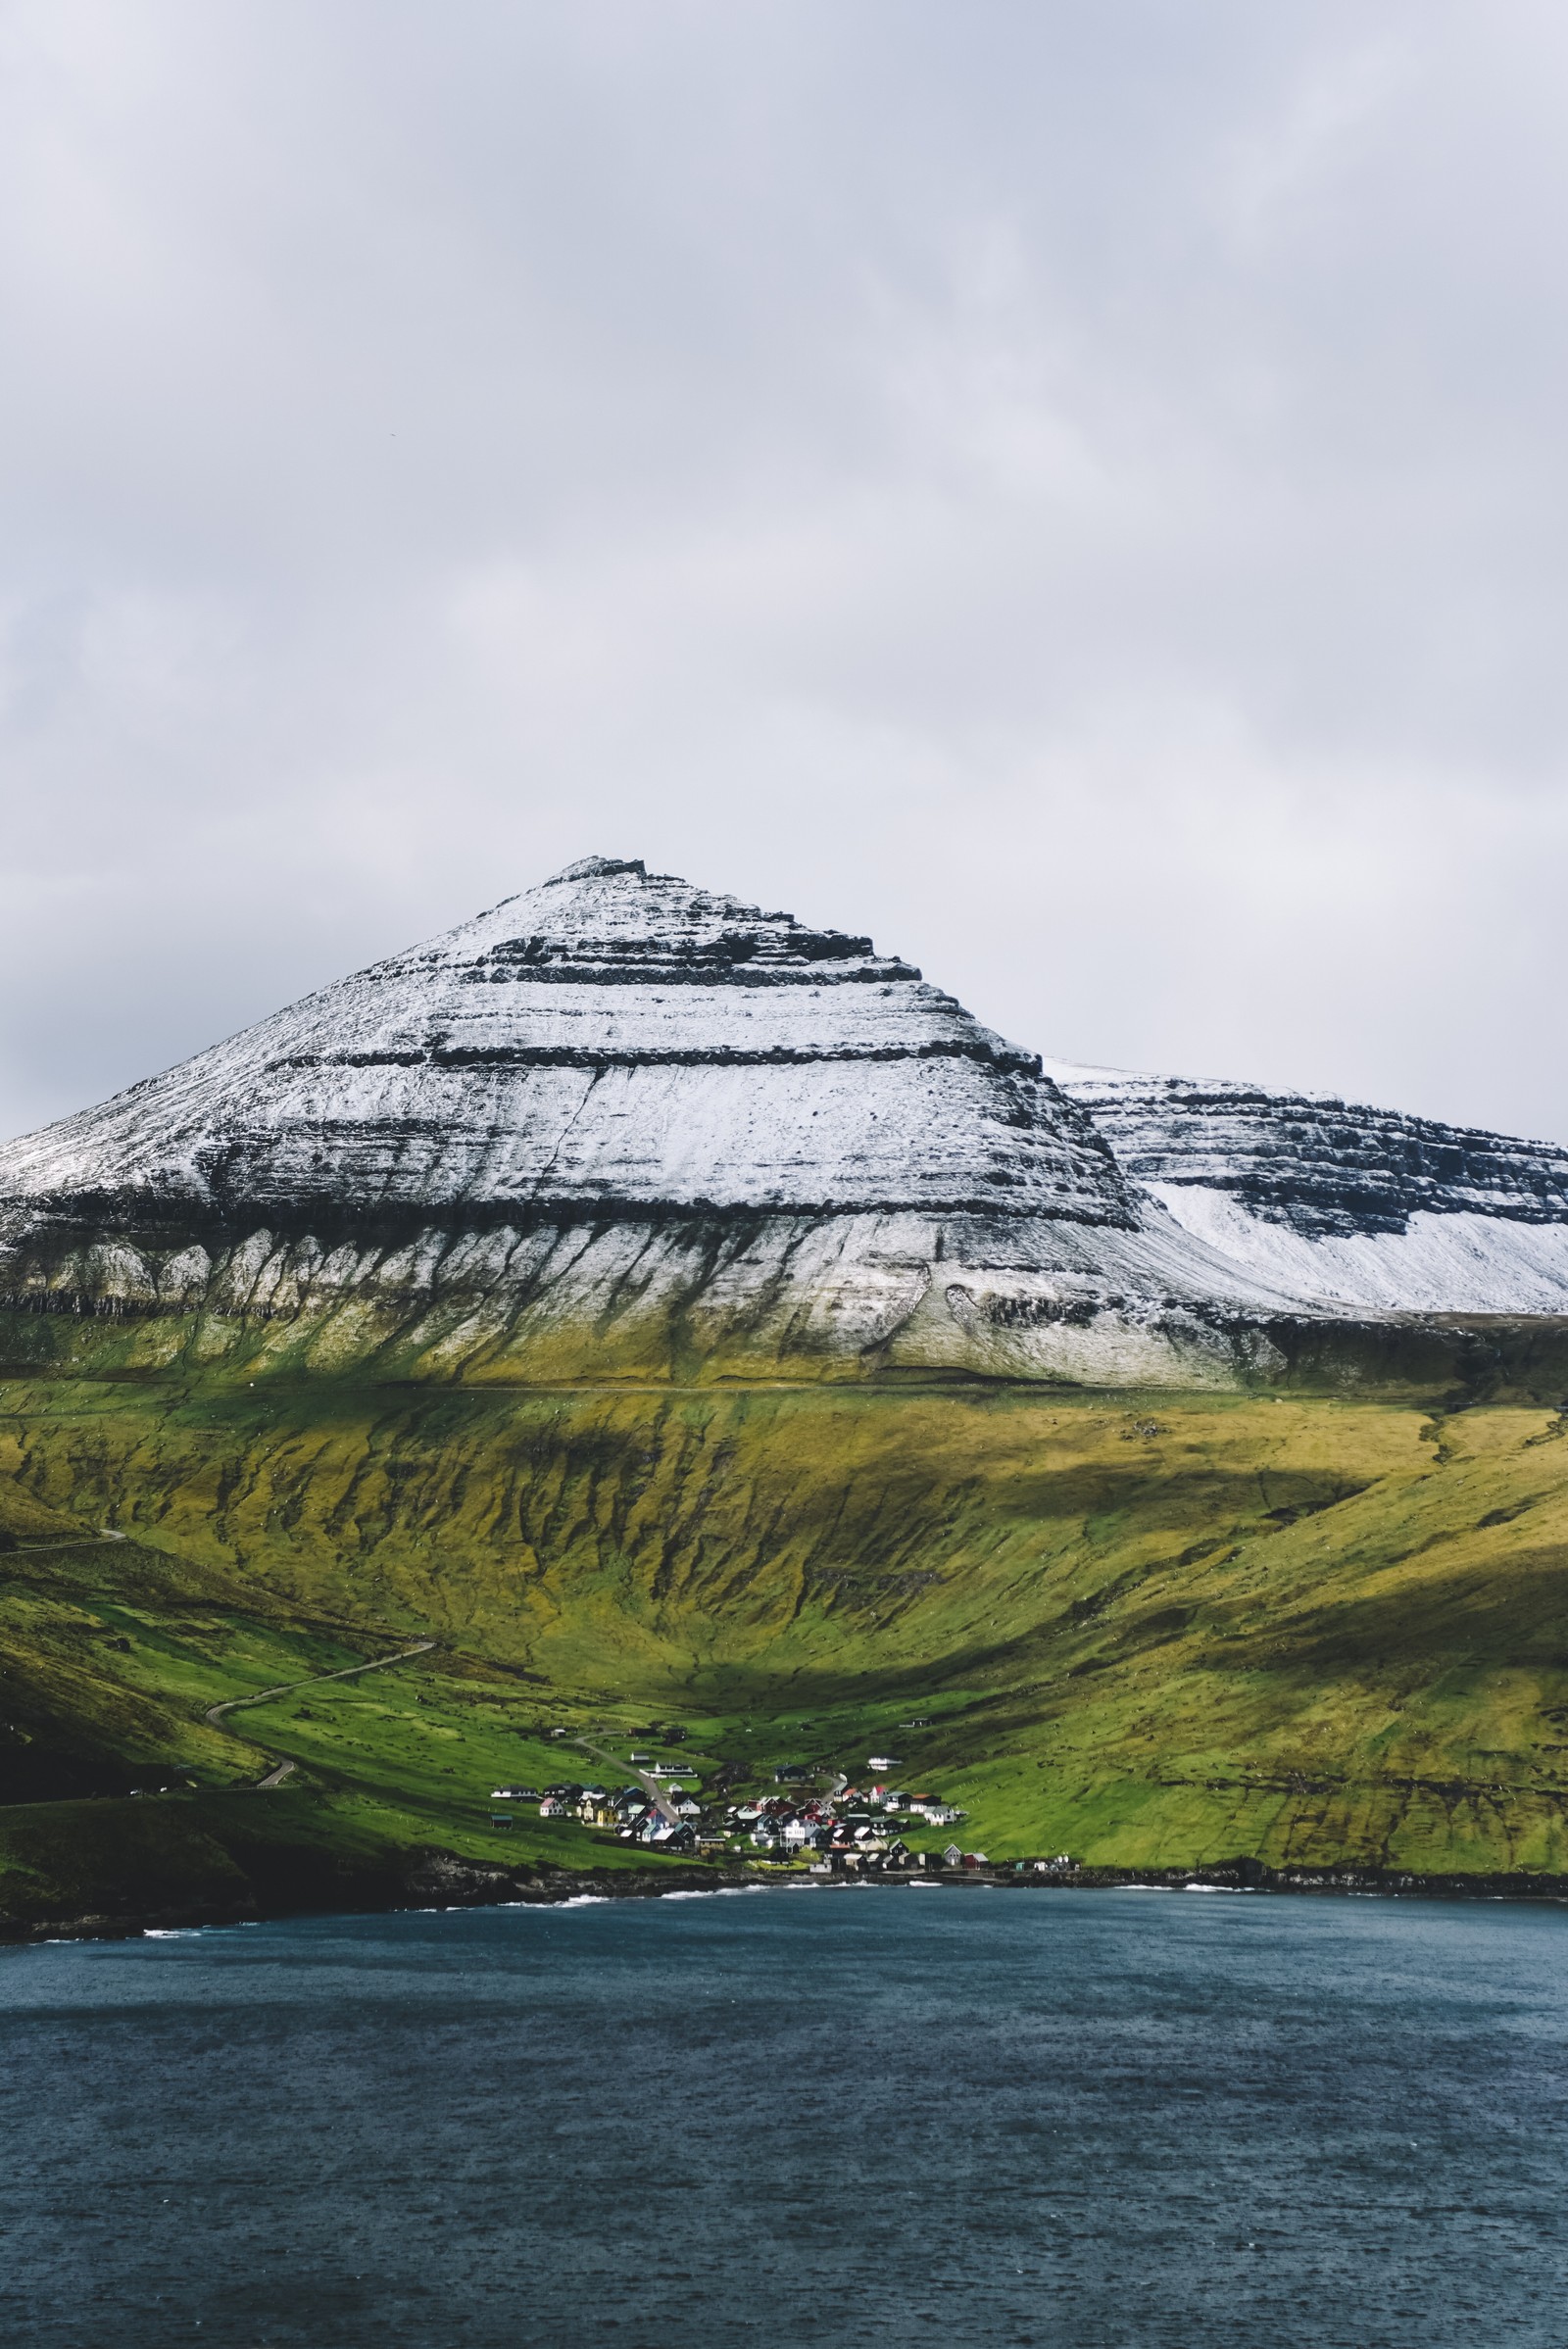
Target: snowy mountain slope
x: 611, y: 1039
x: 1355, y: 1207
x: 622, y: 1119
x: 623, y: 1126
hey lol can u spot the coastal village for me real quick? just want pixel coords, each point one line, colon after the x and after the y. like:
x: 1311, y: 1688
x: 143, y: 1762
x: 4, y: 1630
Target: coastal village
x: 838, y: 1829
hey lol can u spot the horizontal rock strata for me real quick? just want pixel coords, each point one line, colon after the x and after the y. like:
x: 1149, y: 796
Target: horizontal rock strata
x: 1341, y: 1202
x: 622, y: 1126
x: 612, y: 1041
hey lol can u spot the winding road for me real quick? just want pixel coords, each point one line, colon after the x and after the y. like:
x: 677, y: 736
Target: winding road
x: 648, y: 1782
x: 285, y: 1768
x: 34, y: 1550
x: 214, y: 1713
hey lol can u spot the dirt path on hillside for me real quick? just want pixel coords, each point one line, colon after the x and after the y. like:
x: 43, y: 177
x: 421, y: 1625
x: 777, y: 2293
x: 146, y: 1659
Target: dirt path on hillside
x: 37, y: 1549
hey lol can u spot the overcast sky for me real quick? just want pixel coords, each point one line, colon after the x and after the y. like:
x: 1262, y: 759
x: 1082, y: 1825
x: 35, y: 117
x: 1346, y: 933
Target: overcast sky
x: 1080, y: 491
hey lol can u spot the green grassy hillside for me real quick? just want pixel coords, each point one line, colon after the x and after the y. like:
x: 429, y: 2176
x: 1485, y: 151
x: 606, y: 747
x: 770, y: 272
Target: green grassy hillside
x: 1149, y: 1631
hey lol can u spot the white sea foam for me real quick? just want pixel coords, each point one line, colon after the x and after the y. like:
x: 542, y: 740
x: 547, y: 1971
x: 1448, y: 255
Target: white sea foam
x: 726, y: 1892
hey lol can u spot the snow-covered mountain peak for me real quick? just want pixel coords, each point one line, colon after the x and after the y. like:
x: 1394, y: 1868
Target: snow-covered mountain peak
x: 613, y: 1039
x: 608, y: 913
x: 588, y: 868
x: 619, y: 1102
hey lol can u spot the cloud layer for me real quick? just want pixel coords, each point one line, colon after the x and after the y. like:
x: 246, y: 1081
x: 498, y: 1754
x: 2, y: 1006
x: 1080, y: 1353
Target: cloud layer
x: 1078, y: 492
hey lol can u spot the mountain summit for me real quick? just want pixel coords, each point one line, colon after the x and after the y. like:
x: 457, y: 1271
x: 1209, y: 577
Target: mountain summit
x: 620, y: 1126
x: 616, y: 1041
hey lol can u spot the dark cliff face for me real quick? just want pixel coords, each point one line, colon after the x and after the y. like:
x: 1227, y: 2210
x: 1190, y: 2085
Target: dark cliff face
x: 1323, y: 1166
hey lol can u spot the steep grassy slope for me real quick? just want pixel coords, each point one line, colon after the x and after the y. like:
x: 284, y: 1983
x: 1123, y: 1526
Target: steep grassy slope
x: 1149, y: 1631
x: 114, y: 1653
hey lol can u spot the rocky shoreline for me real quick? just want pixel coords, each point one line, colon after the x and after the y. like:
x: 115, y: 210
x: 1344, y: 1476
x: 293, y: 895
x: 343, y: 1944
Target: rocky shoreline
x: 438, y: 1879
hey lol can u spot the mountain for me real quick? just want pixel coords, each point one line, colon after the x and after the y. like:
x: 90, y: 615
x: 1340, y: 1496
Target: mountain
x: 1339, y: 1202
x: 620, y: 1126
x: 580, y: 1316
x: 615, y: 1043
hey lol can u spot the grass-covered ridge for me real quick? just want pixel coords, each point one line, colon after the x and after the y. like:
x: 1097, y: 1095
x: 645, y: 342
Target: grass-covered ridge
x: 1150, y: 1630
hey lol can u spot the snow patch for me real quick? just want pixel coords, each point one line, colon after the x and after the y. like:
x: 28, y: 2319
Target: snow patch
x: 1453, y: 1263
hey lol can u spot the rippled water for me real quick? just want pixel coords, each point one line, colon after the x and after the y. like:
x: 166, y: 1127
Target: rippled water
x: 797, y: 2117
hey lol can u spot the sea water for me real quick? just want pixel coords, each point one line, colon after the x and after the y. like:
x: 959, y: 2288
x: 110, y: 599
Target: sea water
x: 815, y: 2117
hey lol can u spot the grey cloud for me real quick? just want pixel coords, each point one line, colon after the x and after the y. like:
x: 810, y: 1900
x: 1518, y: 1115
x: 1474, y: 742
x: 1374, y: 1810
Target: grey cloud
x: 1077, y: 490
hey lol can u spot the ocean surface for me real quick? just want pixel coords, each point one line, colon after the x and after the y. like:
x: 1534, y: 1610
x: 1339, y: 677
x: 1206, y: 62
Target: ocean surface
x: 824, y: 2116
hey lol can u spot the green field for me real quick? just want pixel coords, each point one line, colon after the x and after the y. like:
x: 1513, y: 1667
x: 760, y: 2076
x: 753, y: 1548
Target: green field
x: 1150, y: 1630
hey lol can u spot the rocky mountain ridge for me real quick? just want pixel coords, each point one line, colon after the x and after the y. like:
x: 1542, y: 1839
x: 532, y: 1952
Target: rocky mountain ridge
x: 1341, y: 1201
x: 620, y: 1125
